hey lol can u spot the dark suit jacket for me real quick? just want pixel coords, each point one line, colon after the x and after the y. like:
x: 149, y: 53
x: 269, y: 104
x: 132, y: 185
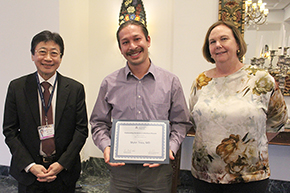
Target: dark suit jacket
x: 21, y: 119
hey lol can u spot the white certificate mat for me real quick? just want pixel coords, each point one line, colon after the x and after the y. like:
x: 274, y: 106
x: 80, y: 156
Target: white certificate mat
x: 140, y: 141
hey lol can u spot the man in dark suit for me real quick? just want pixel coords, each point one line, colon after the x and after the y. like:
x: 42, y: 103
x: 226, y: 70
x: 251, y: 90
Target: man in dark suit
x: 29, y: 123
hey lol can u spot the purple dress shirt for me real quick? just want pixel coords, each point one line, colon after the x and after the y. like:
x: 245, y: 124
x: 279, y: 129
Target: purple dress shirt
x: 157, y: 96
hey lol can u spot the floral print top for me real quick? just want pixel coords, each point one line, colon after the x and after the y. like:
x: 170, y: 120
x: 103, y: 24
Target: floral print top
x: 231, y: 116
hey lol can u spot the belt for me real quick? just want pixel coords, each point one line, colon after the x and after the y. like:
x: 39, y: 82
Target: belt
x: 48, y: 159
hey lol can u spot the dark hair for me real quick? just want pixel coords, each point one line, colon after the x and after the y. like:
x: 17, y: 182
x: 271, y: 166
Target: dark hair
x: 132, y: 22
x: 46, y: 36
x: 237, y: 34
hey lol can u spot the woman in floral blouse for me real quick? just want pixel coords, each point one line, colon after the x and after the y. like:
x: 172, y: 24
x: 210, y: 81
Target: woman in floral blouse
x: 232, y: 106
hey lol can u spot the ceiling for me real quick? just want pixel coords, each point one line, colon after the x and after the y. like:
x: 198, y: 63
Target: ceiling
x: 276, y: 4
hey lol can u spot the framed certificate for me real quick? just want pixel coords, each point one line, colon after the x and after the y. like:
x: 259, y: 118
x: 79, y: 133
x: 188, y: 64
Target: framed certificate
x: 140, y: 142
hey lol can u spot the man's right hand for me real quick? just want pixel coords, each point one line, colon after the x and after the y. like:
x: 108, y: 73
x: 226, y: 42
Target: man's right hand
x: 38, y: 169
x: 107, y: 158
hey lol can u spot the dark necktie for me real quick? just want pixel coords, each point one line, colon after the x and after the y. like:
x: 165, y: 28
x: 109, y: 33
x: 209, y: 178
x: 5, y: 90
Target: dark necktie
x: 48, y: 145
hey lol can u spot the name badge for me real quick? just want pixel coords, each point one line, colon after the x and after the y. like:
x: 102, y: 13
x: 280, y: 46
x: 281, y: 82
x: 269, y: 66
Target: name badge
x: 46, y: 131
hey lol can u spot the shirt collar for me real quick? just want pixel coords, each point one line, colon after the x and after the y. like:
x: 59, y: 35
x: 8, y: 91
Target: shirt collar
x: 151, y: 70
x: 50, y: 80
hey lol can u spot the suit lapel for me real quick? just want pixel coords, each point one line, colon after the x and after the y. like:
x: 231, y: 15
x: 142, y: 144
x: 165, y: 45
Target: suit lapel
x: 61, y: 99
x: 32, y: 97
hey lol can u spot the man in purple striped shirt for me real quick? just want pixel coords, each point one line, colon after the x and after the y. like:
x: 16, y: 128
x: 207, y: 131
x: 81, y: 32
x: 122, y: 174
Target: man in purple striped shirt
x: 139, y: 91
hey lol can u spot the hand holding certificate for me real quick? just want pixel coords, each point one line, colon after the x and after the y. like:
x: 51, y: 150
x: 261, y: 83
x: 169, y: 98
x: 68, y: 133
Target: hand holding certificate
x: 140, y: 142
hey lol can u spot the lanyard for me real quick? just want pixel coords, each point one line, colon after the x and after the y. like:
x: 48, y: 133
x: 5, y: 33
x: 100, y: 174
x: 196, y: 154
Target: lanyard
x: 42, y: 97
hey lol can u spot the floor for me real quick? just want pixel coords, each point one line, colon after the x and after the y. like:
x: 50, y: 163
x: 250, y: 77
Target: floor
x: 95, y: 179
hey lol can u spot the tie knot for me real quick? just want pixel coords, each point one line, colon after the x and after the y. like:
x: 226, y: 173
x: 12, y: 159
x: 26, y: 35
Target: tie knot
x: 45, y: 85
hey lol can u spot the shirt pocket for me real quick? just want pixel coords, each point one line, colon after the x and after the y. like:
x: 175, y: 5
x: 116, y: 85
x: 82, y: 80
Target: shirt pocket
x: 160, y: 110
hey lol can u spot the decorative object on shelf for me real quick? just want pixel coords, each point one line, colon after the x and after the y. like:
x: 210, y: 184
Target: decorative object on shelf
x: 272, y: 55
x: 258, y: 62
x: 233, y: 10
x: 132, y: 10
x: 281, y: 72
x: 255, y: 13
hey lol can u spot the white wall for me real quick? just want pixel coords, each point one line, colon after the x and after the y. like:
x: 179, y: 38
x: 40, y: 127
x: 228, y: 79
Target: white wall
x: 190, y: 23
x: 256, y: 40
x: 287, y: 13
x: 20, y: 21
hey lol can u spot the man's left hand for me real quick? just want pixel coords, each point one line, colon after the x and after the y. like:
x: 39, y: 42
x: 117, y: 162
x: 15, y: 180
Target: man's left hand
x: 156, y: 165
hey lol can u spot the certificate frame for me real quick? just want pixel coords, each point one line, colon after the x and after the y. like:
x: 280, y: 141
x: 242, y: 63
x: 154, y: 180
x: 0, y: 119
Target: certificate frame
x: 139, y: 141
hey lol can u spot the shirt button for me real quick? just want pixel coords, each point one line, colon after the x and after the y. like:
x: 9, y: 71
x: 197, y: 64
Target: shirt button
x: 140, y: 82
x: 139, y: 96
x: 139, y: 112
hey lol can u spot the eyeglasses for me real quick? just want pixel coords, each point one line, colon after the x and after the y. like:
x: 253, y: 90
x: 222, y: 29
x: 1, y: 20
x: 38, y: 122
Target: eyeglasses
x: 44, y: 52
